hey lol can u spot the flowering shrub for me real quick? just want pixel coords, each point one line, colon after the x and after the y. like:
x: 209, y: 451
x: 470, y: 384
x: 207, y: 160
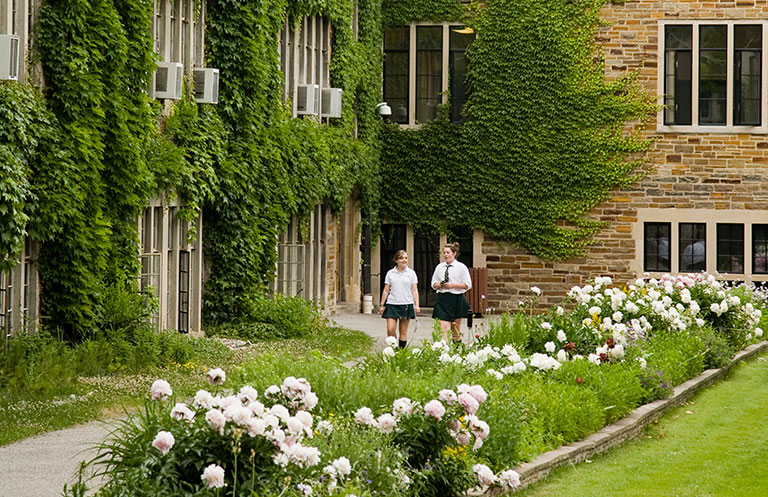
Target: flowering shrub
x: 236, y: 442
x: 435, y: 420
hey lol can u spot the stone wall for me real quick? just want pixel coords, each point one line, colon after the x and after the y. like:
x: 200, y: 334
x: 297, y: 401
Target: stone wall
x: 695, y: 177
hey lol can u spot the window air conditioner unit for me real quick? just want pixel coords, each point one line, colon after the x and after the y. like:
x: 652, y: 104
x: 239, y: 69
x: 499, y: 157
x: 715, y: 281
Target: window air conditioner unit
x: 330, y: 103
x: 9, y: 57
x: 307, y: 99
x: 206, y: 85
x: 168, y: 80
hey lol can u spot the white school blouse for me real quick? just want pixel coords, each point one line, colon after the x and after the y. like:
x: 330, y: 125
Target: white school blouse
x: 400, y: 285
x: 459, y: 273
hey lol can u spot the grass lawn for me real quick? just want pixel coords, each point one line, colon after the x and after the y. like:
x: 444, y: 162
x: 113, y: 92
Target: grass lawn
x: 23, y: 414
x: 713, y: 446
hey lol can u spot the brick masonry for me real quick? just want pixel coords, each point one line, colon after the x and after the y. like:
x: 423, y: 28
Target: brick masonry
x: 702, y: 172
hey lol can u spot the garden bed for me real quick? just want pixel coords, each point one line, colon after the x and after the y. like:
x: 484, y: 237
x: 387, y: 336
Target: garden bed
x: 441, y: 420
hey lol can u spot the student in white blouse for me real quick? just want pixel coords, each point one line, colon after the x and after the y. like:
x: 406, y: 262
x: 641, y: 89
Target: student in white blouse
x: 451, y: 280
x: 400, y: 297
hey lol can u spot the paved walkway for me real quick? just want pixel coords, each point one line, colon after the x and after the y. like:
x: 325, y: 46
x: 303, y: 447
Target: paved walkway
x: 40, y: 466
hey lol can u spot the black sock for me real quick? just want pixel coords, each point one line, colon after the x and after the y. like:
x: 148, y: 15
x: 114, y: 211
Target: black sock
x: 402, y: 343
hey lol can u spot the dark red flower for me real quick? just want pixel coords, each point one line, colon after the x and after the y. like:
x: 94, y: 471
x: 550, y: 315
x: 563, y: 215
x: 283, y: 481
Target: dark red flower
x: 569, y: 346
x: 610, y: 343
x: 603, y: 357
x: 579, y: 380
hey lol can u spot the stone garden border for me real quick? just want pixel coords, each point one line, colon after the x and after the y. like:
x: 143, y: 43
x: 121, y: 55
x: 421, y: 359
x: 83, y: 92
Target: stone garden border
x: 627, y: 428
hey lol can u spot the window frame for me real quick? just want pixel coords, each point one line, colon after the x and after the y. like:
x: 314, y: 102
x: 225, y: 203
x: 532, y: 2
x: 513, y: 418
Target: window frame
x: 729, y: 240
x: 647, y: 225
x: 729, y: 126
x: 753, y: 252
x: 411, y: 121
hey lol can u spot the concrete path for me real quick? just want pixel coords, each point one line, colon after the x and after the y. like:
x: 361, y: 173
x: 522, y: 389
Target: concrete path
x: 375, y: 326
x: 40, y: 466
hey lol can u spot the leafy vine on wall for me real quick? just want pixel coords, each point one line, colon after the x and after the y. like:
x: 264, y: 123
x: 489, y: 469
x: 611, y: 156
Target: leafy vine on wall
x: 546, y: 137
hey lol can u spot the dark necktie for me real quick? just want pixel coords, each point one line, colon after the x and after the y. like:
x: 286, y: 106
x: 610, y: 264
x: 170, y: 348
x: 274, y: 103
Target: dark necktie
x: 445, y: 276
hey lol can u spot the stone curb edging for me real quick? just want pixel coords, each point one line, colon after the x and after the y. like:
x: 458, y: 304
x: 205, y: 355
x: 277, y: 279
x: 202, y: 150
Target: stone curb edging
x: 627, y: 428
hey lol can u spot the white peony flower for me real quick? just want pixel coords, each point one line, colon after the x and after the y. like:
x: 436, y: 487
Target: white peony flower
x: 391, y: 341
x: 546, y: 325
x: 213, y: 476
x: 388, y: 352
x: 272, y: 391
x: 402, y: 406
x: 550, y: 347
x: 216, y: 420
x: 182, y: 412
x: 386, y: 423
x: 217, y: 376
x: 536, y: 290
x: 561, y: 336
x: 758, y: 332
x: 160, y: 390
x: 342, y: 466
x: 248, y: 394
x: 203, y: 399
x: 364, y: 416
x: 562, y: 356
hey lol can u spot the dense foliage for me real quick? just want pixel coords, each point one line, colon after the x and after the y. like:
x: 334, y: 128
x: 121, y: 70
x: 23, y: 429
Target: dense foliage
x: 273, y: 166
x: 545, y: 137
x: 80, y: 162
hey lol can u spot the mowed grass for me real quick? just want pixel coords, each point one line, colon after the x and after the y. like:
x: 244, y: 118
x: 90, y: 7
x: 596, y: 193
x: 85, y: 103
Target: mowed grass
x: 713, y: 446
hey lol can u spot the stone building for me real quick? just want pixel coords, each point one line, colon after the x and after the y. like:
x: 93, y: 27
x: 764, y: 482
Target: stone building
x: 703, y: 205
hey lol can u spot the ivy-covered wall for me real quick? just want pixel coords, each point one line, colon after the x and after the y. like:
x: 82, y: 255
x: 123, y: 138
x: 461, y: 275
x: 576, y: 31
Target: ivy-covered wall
x: 274, y: 166
x: 546, y: 137
x: 81, y: 158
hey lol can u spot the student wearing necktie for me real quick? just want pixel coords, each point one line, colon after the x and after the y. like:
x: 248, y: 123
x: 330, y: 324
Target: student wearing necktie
x: 451, y: 280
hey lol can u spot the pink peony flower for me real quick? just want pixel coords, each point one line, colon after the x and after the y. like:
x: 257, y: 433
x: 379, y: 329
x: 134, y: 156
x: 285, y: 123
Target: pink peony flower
x: 217, y: 376
x: 163, y: 441
x: 509, y: 478
x: 402, y: 406
x: 213, y: 476
x: 447, y: 396
x: 160, y: 390
x: 463, y: 437
x: 478, y: 393
x: 484, y: 475
x: 435, y: 409
x: 469, y: 403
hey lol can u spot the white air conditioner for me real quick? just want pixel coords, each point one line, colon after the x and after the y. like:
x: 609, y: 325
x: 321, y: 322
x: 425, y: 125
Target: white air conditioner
x: 168, y: 80
x: 307, y: 99
x: 9, y: 57
x: 206, y: 85
x: 330, y: 102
